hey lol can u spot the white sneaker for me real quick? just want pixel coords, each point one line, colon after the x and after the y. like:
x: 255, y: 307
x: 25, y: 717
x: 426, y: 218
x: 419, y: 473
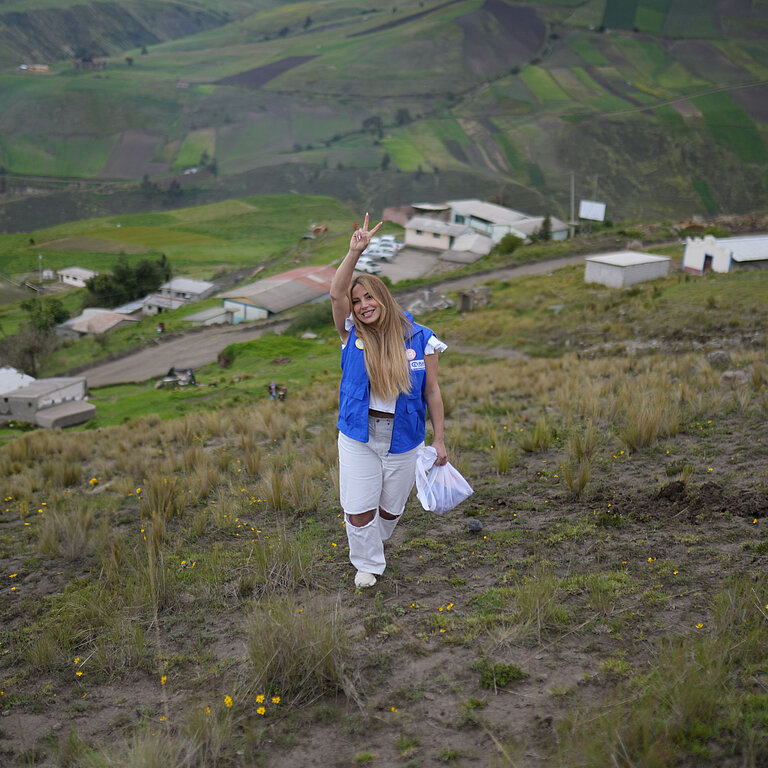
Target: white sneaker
x: 363, y: 580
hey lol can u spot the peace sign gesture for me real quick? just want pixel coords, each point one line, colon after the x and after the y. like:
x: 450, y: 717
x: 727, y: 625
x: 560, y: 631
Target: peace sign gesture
x: 361, y: 238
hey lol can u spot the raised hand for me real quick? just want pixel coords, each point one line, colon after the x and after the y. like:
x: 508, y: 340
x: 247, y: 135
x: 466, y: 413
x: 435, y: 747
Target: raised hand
x: 361, y: 238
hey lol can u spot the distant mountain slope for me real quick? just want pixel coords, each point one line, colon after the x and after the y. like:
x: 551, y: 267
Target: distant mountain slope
x: 654, y: 107
x: 51, y: 34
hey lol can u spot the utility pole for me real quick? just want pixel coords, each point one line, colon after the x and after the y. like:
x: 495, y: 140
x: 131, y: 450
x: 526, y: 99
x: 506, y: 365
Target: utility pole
x: 572, y: 222
x: 40, y: 268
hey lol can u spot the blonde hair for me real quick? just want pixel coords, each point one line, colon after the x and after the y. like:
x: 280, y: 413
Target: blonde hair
x: 384, y: 344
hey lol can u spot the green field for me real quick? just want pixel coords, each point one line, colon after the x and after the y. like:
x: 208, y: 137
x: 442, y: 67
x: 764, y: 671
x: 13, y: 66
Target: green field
x: 169, y: 107
x: 732, y: 128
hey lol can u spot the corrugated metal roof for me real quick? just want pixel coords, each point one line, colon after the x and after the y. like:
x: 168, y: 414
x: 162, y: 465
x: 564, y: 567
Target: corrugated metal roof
x: 93, y: 320
x: 187, y: 285
x: 286, y: 290
x: 753, y: 248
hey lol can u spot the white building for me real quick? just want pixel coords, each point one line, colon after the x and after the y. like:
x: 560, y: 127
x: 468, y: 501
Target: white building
x: 423, y: 232
x: 54, y: 402
x: 625, y: 268
x: 176, y: 293
x: 703, y: 254
x: 497, y: 221
x: 11, y: 379
x: 75, y: 276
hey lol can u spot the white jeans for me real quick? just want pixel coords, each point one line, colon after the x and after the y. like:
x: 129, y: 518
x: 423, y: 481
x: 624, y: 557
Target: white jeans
x: 372, y: 478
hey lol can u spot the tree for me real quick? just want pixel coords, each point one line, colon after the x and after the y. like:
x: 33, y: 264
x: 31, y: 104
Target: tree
x: 545, y: 233
x: 373, y: 125
x: 509, y: 243
x: 36, y: 338
x: 126, y: 283
x: 44, y: 314
x: 385, y: 161
x: 129, y: 60
x: 402, y: 117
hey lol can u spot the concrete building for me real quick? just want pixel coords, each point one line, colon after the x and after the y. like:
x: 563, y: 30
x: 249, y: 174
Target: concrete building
x: 497, y: 220
x: 212, y: 316
x: 703, y: 254
x: 176, y: 293
x: 75, y: 276
x: 260, y: 300
x: 434, y: 234
x: 54, y: 402
x: 11, y: 379
x: 625, y: 268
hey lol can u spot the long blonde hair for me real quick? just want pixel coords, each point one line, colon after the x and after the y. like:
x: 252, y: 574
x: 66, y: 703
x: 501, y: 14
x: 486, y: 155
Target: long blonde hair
x: 384, y: 344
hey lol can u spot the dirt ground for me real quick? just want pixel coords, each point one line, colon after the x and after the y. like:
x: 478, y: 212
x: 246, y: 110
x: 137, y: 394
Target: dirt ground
x: 416, y: 698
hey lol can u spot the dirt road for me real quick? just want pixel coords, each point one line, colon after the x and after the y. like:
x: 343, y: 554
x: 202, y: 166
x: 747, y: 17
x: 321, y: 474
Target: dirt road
x: 188, y: 350
x: 202, y: 346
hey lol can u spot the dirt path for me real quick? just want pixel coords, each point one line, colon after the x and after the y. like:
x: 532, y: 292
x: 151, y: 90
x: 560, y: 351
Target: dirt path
x: 200, y: 347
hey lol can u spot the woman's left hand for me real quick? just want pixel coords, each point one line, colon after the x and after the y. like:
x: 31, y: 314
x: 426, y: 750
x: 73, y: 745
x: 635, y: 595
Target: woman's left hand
x: 442, y: 454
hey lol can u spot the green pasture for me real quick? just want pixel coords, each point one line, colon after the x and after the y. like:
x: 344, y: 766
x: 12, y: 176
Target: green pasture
x: 244, y: 382
x: 648, y: 58
x: 199, y: 240
x: 732, y: 127
x: 587, y: 50
x: 620, y: 14
x: 404, y: 153
x: 651, y: 14
x: 194, y: 146
x: 542, y: 85
x: 586, y: 79
x: 751, y: 55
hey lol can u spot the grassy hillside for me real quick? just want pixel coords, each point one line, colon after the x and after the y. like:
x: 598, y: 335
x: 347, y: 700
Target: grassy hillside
x: 176, y: 585
x: 650, y: 111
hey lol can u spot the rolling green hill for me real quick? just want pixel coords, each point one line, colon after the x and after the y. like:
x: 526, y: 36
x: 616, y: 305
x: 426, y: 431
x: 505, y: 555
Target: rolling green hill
x: 657, y: 107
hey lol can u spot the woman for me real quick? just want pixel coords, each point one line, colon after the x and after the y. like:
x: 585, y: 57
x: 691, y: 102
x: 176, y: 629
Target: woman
x: 388, y: 382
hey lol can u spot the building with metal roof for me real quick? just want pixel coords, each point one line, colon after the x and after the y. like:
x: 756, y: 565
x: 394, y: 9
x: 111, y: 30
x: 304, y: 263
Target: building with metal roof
x: 271, y: 295
x: 93, y: 321
x: 703, y: 254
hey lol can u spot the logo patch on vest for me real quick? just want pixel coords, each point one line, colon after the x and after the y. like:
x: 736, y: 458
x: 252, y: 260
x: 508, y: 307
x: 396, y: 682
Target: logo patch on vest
x: 418, y: 365
x: 359, y: 344
x: 410, y: 354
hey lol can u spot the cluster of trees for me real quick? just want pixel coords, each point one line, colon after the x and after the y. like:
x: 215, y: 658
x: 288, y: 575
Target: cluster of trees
x: 36, y: 338
x: 126, y: 283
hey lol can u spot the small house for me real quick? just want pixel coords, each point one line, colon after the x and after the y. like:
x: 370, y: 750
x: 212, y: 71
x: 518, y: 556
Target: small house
x: 176, y: 293
x: 75, y: 276
x: 92, y: 322
x: 54, y: 402
x: 625, y: 268
x: 433, y: 234
x: 703, y: 254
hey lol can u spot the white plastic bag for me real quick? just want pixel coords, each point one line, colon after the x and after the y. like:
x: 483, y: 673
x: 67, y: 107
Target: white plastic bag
x: 439, y: 488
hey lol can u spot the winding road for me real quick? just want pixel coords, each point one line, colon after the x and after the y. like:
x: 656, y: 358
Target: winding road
x: 201, y: 346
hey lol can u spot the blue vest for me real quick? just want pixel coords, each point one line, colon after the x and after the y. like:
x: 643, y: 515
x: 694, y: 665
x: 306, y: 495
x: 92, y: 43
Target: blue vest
x: 354, y: 394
